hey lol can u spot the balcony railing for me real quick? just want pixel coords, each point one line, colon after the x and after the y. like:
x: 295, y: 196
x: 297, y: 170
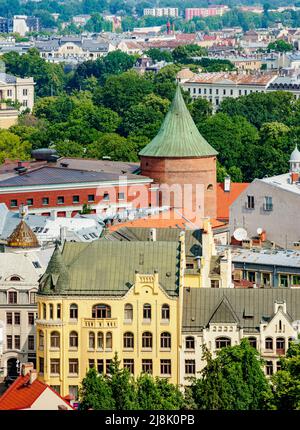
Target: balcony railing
x: 100, y: 322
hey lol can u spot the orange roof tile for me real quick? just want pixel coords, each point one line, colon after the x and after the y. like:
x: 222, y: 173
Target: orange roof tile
x: 165, y: 219
x: 21, y: 395
x: 226, y: 198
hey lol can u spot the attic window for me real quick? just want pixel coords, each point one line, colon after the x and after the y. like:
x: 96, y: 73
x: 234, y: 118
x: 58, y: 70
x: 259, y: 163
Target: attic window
x: 15, y: 278
x: 248, y: 313
x: 36, y: 264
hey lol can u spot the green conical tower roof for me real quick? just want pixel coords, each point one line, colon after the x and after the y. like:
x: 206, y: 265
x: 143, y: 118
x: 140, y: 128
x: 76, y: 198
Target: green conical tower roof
x: 178, y: 135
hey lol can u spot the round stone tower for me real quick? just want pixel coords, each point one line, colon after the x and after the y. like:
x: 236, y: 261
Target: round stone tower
x: 180, y: 157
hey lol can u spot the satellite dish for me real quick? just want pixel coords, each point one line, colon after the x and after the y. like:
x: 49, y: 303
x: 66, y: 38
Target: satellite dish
x: 259, y: 230
x: 240, y: 234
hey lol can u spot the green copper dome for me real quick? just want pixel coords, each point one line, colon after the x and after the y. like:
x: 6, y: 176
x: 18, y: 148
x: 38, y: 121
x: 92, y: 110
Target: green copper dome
x: 178, y: 135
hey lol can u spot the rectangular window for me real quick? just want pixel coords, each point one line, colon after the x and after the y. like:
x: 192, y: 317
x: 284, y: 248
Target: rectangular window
x: 56, y: 388
x: 9, y: 344
x: 147, y: 366
x: 29, y: 202
x: 231, y: 92
x: 91, y: 363
x: 108, y: 362
x: 73, y: 391
x: 283, y: 280
x: 41, y: 365
x: 245, y: 92
x: 199, y: 90
x: 165, y: 367
x: 58, y: 311
x: 266, y: 279
x: 9, y: 93
x: 9, y: 318
x: 32, y: 296
x: 250, y: 202
x: 268, y: 204
x: 30, y: 318
x: 210, y: 91
x: 31, y: 343
x: 296, y: 280
x: 240, y: 92
x: 75, y: 199
x: 194, y: 90
x: 224, y: 92
x: 121, y: 196
x: 17, y: 318
x: 190, y: 367
x: 106, y: 196
x: 100, y: 366
x: 73, y: 366
x: 25, y: 103
x: 204, y: 90
x: 13, y: 203
x: 17, y: 342
x: 12, y: 297
x: 214, y: 283
x: 54, y: 366
x: 91, y: 198
x: 269, y: 368
x: 25, y: 92
x: 60, y: 200
x: 251, y: 276
x: 128, y: 363
x: 45, y: 201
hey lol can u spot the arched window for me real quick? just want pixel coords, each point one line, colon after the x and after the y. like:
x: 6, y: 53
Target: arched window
x: 222, y: 342
x: 165, y: 340
x: 91, y: 340
x: 73, y: 339
x: 41, y: 339
x: 210, y: 187
x: 108, y: 340
x: 101, y: 311
x: 253, y: 342
x: 147, y: 311
x: 100, y: 340
x: 73, y: 311
x: 189, y: 342
x: 55, y: 339
x: 44, y: 311
x: 15, y: 278
x: 269, y: 343
x: 128, y: 340
x: 51, y: 311
x: 165, y: 312
x: 128, y: 312
x: 280, y: 345
x: 147, y: 339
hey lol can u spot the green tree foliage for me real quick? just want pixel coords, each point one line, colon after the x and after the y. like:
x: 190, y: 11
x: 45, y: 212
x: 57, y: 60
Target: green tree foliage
x: 114, y: 146
x: 95, y: 393
x: 183, y: 54
x: 49, y: 77
x: 158, y: 55
x: 286, y: 382
x: 200, y: 110
x: 234, y: 380
x: 97, y: 23
x: 121, y: 92
x: 12, y: 147
x: 280, y: 46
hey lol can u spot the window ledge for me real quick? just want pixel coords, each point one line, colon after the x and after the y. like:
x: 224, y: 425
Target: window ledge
x: 73, y: 348
x: 165, y: 322
x: 128, y: 349
x: 146, y: 349
x: 73, y: 375
x: 165, y: 349
x: 55, y: 374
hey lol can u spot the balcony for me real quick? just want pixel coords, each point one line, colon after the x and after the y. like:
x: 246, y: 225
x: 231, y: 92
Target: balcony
x: 100, y: 323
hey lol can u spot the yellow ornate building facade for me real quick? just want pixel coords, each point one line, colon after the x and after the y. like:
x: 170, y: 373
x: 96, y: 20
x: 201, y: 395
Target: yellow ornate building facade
x: 121, y: 296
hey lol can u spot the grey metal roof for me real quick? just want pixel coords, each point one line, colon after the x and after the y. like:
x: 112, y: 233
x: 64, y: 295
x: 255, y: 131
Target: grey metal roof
x: 9, y: 79
x: 59, y: 175
x: 287, y: 257
x: 108, y: 268
x: 200, y: 304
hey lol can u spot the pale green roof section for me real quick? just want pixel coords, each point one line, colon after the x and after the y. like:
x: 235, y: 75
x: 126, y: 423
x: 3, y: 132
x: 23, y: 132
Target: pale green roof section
x: 178, y: 135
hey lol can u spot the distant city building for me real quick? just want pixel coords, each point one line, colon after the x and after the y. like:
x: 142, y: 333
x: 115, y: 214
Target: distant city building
x: 271, y: 204
x: 162, y: 11
x: 216, y: 86
x: 80, y: 20
x: 204, y: 12
x: 6, y: 25
x: 23, y: 24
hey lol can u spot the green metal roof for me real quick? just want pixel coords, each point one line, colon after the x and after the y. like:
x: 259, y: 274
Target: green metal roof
x: 107, y: 268
x: 178, y: 135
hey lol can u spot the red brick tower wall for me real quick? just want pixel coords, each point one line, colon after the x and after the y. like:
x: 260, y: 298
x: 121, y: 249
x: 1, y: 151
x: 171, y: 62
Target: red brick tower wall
x: 198, y: 170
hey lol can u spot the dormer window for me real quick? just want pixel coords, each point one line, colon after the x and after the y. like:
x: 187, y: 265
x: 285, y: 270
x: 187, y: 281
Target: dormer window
x: 15, y: 279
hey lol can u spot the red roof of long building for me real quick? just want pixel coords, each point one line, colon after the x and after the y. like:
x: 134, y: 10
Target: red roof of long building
x: 22, y: 395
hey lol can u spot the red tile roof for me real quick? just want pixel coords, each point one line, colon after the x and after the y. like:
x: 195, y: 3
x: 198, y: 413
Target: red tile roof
x: 226, y: 198
x: 21, y: 395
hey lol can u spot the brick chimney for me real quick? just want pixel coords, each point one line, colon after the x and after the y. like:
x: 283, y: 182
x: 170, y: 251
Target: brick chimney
x: 26, y: 368
x: 33, y: 376
x: 294, y: 177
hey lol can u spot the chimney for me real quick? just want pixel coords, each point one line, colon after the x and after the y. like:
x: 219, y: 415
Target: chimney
x: 33, y: 376
x: 294, y: 177
x: 227, y: 184
x: 152, y: 235
x: 26, y: 368
x: 53, y: 215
